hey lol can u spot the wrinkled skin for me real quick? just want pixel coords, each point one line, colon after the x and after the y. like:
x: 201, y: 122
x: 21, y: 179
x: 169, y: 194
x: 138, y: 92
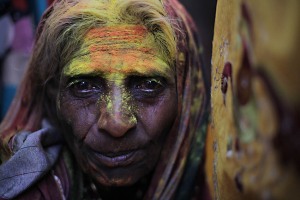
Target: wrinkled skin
x: 116, y: 120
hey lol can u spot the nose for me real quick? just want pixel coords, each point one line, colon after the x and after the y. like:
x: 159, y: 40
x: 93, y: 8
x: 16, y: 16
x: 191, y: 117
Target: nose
x: 117, y: 116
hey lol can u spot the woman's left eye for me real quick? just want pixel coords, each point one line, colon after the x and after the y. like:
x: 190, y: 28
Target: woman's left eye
x: 148, y: 87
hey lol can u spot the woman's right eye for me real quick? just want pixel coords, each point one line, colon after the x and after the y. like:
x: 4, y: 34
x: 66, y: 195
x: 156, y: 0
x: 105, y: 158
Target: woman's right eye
x: 84, y: 88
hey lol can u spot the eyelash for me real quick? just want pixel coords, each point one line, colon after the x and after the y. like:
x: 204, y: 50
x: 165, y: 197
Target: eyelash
x: 147, y: 87
x: 88, y: 88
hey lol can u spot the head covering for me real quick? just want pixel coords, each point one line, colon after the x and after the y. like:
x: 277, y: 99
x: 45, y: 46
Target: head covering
x: 182, y: 151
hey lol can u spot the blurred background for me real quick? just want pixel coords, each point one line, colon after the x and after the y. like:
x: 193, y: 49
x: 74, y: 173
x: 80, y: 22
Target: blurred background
x: 19, y: 19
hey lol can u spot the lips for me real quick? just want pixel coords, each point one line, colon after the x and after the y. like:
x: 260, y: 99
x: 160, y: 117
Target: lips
x: 117, y: 159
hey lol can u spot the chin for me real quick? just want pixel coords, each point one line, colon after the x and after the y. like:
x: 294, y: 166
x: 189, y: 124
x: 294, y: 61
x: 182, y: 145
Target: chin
x: 115, y: 181
x: 114, y: 177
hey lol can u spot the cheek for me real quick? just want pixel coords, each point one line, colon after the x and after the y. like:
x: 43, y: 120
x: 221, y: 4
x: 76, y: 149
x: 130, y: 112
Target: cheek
x: 158, y: 119
x: 77, y: 115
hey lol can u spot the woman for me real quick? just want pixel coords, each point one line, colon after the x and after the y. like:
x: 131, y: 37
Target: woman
x: 112, y: 105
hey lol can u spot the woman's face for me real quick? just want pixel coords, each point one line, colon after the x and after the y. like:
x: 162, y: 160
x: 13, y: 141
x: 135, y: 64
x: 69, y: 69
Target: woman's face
x: 117, y: 102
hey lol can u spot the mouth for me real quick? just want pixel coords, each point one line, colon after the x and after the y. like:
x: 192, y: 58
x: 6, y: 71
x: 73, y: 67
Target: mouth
x: 117, y: 159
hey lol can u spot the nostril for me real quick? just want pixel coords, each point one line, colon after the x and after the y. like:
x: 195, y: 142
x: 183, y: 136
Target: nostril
x: 116, y: 125
x: 117, y: 112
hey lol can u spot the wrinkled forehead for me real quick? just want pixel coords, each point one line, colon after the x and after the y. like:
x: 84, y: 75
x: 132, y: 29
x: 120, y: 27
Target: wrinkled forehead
x: 117, y: 34
x: 118, y: 49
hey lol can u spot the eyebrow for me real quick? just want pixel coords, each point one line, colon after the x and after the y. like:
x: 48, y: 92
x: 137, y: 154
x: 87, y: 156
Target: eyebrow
x: 99, y: 72
x: 80, y: 68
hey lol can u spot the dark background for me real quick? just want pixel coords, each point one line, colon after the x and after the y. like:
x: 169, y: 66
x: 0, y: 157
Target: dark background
x: 203, y: 12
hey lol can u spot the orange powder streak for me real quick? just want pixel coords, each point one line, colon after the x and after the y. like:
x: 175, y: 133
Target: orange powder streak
x: 119, y: 49
x: 118, y: 32
x: 118, y: 39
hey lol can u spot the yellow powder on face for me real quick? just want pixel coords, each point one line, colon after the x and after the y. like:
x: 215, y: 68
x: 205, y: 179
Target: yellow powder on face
x: 117, y: 51
x: 120, y: 105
